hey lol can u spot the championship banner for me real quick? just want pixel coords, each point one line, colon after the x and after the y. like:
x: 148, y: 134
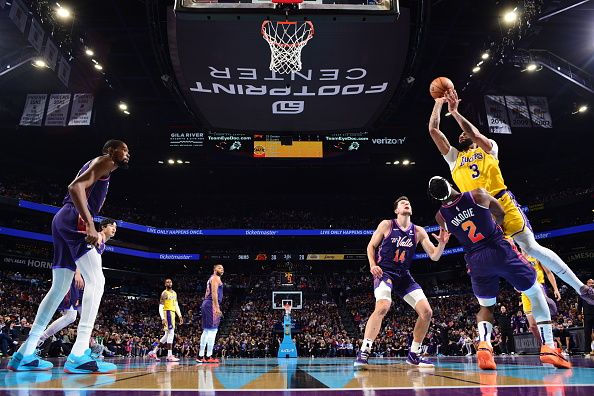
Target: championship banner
x: 33, y: 111
x: 497, y: 114
x: 36, y: 35
x: 57, y: 110
x: 82, y: 108
x: 50, y: 54
x: 64, y: 71
x: 19, y: 14
x: 517, y: 109
x: 539, y: 111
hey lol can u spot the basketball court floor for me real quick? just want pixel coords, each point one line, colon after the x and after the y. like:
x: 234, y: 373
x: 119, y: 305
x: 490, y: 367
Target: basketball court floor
x: 521, y: 375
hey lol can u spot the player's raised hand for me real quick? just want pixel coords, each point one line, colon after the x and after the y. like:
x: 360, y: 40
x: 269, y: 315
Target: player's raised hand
x: 451, y: 97
x: 376, y: 271
x: 181, y: 320
x: 443, y: 237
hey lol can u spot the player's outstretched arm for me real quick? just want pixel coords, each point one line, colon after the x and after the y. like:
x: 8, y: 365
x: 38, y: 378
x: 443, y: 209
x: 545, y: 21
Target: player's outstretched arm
x: 440, y: 140
x: 482, y: 197
x: 553, y: 281
x: 374, y: 242
x: 433, y: 251
x: 468, y: 128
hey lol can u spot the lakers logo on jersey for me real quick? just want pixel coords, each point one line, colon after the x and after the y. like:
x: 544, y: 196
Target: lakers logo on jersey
x: 477, y: 169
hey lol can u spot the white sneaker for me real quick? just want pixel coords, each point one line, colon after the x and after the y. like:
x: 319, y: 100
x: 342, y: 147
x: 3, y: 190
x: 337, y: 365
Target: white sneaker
x: 172, y: 359
x: 153, y: 355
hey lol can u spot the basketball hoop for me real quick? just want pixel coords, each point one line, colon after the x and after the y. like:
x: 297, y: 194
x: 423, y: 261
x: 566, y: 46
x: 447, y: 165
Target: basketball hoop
x: 286, y: 40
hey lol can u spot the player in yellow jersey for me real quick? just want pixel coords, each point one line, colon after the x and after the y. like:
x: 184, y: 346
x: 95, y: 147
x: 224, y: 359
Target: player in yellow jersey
x: 168, y: 308
x: 476, y: 165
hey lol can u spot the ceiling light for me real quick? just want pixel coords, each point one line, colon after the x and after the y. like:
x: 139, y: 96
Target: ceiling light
x: 161, y: 162
x: 126, y: 112
x: 405, y: 162
x: 448, y: 114
x: 123, y: 106
x: 63, y: 13
x: 485, y: 56
x: 388, y: 163
x: 180, y: 161
x: 531, y: 67
x: 98, y: 67
x: 89, y: 52
x: 396, y: 162
x: 476, y: 69
x: 186, y: 162
x: 39, y: 63
x: 583, y: 109
x: 480, y: 63
x: 511, y: 16
x: 170, y: 161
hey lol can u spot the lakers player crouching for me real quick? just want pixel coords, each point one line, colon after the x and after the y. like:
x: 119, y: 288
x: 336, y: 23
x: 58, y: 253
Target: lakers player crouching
x: 390, y: 252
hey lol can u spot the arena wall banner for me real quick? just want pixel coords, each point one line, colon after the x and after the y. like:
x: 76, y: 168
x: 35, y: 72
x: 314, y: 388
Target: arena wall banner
x: 19, y: 13
x: 82, y: 108
x: 539, y: 111
x: 33, y: 111
x: 64, y: 71
x: 36, y: 35
x: 57, y: 110
x: 50, y: 54
x: 497, y: 114
x: 222, y: 66
x: 517, y: 109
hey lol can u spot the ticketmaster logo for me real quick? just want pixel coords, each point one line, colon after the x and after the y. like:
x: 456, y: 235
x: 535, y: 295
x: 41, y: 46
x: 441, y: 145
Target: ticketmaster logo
x: 260, y: 232
x: 175, y: 256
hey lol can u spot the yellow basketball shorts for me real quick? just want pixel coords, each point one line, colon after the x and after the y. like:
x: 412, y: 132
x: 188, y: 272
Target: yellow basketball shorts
x: 514, y: 221
x: 170, y: 317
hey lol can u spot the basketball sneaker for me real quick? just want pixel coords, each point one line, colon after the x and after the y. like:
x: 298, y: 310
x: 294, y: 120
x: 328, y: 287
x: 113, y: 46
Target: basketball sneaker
x: 172, y: 359
x: 419, y: 361
x: 484, y: 356
x: 153, y: 355
x: 87, y: 364
x: 552, y: 356
x: 32, y: 362
x: 212, y: 360
x: 200, y: 359
x: 587, y: 293
x: 362, y: 360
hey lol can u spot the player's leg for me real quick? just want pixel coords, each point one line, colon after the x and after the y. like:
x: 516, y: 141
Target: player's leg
x: 208, y: 317
x: 527, y: 308
x: 412, y: 293
x: 212, y: 334
x: 170, y: 337
x: 484, y: 320
x: 383, y: 301
x: 517, y: 226
x: 25, y: 359
x: 522, y: 276
x: 80, y: 360
x: 68, y: 317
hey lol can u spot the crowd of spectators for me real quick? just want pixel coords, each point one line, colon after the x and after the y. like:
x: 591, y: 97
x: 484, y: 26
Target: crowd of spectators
x: 129, y: 325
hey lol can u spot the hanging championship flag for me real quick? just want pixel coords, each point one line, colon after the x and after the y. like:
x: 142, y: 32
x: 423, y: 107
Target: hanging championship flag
x: 57, y: 110
x: 497, y: 114
x: 64, y: 71
x: 19, y: 13
x: 539, y: 111
x: 33, y: 111
x: 36, y: 35
x: 82, y: 108
x: 517, y: 109
x: 50, y: 54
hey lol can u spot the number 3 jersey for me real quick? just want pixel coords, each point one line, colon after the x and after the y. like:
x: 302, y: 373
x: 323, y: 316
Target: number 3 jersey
x: 472, y: 224
x: 397, y: 250
x: 475, y: 168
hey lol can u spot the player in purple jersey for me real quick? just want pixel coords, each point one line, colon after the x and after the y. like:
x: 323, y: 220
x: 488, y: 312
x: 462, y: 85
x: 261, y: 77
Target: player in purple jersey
x: 211, y: 314
x: 74, y: 238
x: 474, y: 218
x: 390, y: 252
x: 70, y: 305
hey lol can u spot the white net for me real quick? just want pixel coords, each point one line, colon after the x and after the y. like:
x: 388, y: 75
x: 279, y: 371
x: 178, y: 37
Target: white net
x: 286, y: 40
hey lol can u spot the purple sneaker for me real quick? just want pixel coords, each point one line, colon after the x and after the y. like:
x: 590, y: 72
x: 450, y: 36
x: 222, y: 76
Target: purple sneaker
x: 587, y: 293
x: 361, y: 363
x: 415, y: 360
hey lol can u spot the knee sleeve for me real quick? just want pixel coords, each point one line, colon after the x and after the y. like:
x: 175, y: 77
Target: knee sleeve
x: 383, y: 292
x: 414, y: 297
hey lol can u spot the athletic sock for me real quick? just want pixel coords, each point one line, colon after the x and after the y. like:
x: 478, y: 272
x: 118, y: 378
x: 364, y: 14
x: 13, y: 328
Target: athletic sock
x: 485, y: 329
x: 415, y: 347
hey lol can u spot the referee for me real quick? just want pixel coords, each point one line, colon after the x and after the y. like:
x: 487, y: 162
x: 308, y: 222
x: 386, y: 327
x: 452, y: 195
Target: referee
x: 588, y: 311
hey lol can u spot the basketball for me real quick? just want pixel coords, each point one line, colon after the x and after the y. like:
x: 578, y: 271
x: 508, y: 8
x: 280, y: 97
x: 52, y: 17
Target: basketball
x: 439, y: 86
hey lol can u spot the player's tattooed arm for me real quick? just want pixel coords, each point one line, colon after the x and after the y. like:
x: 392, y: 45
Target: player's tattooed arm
x: 440, y: 140
x: 468, y: 128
